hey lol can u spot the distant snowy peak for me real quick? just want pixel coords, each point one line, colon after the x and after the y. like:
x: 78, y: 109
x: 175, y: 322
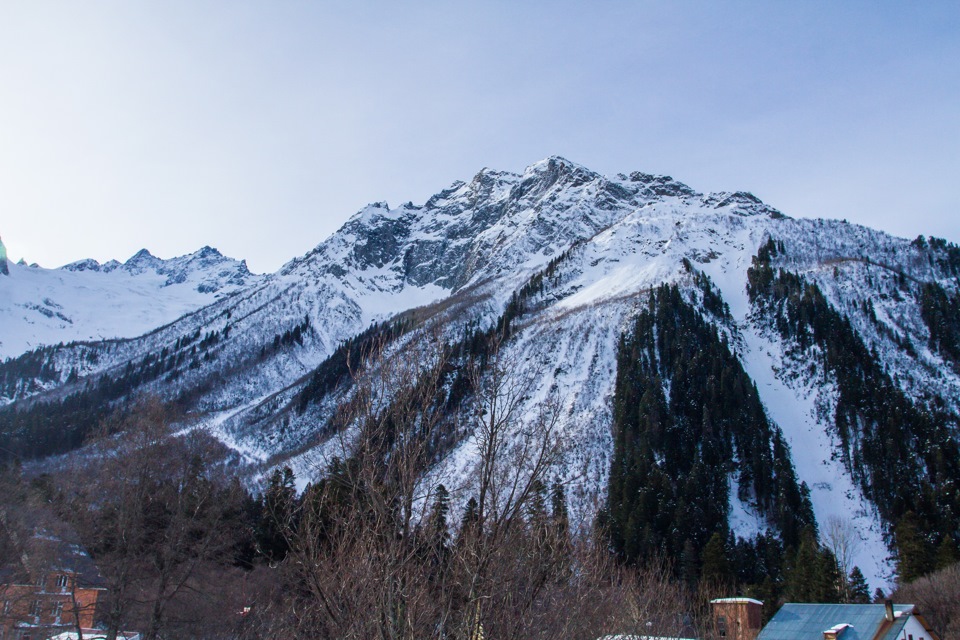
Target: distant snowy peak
x: 86, y: 300
x: 207, y: 261
x: 90, y: 264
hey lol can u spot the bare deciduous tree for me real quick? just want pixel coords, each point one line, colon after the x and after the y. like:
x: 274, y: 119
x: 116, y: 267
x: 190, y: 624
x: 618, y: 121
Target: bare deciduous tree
x: 154, y: 510
x: 514, y: 454
x: 938, y: 597
x: 373, y: 556
x: 358, y: 550
x: 841, y: 538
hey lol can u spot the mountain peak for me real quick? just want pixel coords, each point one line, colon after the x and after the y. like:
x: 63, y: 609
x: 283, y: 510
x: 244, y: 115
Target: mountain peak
x: 558, y: 167
x: 88, y: 264
x: 208, y: 252
x: 541, y: 177
x: 660, y: 185
x: 741, y: 202
x: 555, y: 162
x: 140, y: 256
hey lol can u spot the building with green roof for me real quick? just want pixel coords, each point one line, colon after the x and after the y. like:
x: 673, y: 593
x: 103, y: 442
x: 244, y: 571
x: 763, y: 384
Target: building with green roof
x: 847, y: 622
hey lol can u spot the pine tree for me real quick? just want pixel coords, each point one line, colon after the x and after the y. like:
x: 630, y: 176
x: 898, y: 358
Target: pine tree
x: 947, y: 554
x: 716, y: 565
x: 829, y: 579
x: 277, y: 507
x: 859, y: 590
x: 558, y: 506
x: 537, y: 508
x: 437, y: 528
x: 559, y: 515
x: 813, y: 575
x: 469, y: 522
x: 913, y: 553
x: 800, y: 578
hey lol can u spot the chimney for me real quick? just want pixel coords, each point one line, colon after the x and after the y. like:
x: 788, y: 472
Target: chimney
x: 888, y: 604
x: 834, y: 632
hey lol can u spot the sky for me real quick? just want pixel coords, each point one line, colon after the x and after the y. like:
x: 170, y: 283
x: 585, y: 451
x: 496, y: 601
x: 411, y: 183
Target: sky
x: 260, y: 127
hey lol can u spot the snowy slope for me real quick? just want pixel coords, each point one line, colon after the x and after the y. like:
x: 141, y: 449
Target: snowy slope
x: 89, y: 301
x: 572, y: 342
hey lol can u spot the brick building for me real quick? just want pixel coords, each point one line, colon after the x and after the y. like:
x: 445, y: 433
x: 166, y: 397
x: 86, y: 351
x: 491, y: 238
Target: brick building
x: 55, y: 588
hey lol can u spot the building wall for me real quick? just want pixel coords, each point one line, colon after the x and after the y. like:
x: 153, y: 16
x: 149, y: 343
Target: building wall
x: 915, y: 629
x: 740, y: 620
x: 49, y: 605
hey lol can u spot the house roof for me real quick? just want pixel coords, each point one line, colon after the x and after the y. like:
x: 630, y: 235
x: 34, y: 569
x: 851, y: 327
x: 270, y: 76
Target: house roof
x: 49, y: 552
x: 866, y: 621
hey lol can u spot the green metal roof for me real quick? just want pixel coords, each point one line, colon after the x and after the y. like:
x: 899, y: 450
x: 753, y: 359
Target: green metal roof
x: 809, y: 621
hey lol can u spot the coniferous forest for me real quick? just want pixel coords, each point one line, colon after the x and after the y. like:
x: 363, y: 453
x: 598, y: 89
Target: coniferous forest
x: 904, y: 455
x: 689, y: 429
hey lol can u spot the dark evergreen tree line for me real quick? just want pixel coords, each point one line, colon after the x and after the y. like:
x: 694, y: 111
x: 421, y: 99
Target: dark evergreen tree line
x: 941, y: 314
x: 347, y: 359
x: 28, y: 372
x: 686, y: 419
x: 943, y: 253
x: 41, y: 427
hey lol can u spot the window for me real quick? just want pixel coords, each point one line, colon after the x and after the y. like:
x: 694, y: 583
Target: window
x: 36, y: 608
x: 63, y: 581
x: 722, y: 626
x: 57, y: 611
x: 6, y: 607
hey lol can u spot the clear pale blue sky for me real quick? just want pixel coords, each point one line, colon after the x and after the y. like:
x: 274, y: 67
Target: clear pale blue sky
x: 259, y: 127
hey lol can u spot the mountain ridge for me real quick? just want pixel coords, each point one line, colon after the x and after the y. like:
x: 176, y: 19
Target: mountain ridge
x: 569, y: 259
x: 86, y: 300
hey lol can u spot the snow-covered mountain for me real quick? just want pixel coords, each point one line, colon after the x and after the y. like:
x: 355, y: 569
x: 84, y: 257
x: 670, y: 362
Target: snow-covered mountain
x: 569, y: 259
x: 86, y: 300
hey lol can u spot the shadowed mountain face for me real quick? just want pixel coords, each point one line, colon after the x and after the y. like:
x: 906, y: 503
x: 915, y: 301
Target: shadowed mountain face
x: 790, y: 316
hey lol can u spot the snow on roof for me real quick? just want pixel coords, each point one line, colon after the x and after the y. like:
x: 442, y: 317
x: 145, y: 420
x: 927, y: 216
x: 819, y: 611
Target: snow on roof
x: 735, y: 601
x: 627, y: 637
x: 837, y: 628
x: 95, y: 634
